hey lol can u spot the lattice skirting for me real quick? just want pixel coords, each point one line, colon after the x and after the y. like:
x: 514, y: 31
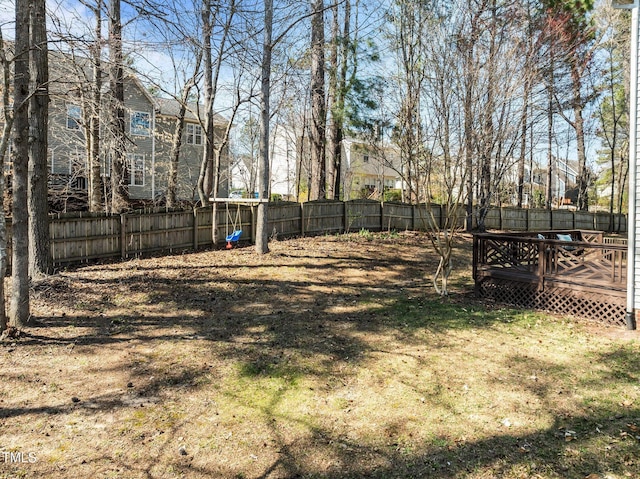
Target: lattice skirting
x: 593, y: 306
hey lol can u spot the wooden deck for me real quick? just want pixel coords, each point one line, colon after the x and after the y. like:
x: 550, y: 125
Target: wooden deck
x: 585, y: 277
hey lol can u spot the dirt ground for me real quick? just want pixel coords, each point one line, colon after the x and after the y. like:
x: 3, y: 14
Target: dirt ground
x: 297, y: 363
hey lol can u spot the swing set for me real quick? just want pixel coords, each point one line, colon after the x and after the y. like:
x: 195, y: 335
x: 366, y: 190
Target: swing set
x: 234, y: 233
x: 233, y: 238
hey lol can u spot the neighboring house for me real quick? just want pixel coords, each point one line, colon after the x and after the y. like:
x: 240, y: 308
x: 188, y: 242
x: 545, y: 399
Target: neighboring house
x: 282, y: 165
x: 563, y: 182
x: 367, y: 171
x: 149, y: 127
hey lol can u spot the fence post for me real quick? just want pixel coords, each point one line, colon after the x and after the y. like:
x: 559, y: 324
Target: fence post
x: 413, y: 217
x: 302, y: 219
x: 381, y: 216
x: 195, y: 229
x: 254, y: 221
x: 345, y: 218
x: 123, y: 235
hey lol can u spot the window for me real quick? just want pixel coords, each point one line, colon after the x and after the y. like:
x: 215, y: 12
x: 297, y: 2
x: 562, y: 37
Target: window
x: 365, y: 158
x: 77, y: 170
x: 140, y: 123
x: 134, y: 174
x: 74, y: 115
x: 194, y: 134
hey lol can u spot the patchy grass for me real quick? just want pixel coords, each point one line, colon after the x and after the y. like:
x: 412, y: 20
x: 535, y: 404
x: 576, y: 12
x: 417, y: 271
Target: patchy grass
x: 330, y: 357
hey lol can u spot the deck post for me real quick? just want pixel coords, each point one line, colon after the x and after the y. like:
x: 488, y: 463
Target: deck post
x: 542, y: 260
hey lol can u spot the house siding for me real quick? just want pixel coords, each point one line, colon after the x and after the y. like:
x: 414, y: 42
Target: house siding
x: 67, y: 147
x: 70, y: 81
x: 137, y: 101
x: 189, y: 162
x: 636, y: 259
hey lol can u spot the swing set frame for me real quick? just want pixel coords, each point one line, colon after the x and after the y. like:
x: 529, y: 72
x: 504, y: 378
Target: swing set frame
x: 233, y: 238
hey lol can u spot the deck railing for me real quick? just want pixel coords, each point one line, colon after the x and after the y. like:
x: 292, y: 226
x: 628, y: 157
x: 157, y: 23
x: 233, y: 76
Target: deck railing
x: 540, y: 270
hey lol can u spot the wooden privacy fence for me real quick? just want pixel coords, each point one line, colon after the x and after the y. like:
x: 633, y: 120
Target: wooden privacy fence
x: 80, y: 237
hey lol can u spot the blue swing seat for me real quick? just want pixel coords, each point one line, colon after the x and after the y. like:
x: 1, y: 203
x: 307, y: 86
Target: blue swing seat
x: 235, y: 236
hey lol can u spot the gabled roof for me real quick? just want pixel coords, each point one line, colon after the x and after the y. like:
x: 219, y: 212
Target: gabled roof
x: 171, y: 107
x: 70, y: 71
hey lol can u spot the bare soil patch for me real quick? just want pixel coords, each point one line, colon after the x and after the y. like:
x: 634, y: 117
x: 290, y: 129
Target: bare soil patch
x: 328, y: 357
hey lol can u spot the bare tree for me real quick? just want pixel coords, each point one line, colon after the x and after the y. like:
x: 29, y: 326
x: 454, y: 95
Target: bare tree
x: 318, y: 103
x: 612, y: 111
x: 338, y: 68
x: 575, y: 42
x: 96, y: 201
x: 262, y: 233
x: 176, y: 143
x: 117, y: 136
x: 7, y: 122
x: 408, y: 19
x: 208, y: 180
x: 19, y: 312
x: 39, y: 251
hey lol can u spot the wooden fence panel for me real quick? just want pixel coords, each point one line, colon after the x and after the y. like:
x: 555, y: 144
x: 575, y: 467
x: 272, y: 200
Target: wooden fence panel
x: 425, y: 218
x: 284, y: 219
x: 514, y: 219
x: 363, y: 214
x: 604, y: 222
x: 539, y: 220
x: 562, y: 220
x: 76, y: 238
x: 321, y: 217
x: 397, y: 216
x: 203, y: 227
x: 620, y: 223
x: 583, y: 220
x: 493, y: 220
x: 150, y: 232
x: 460, y: 215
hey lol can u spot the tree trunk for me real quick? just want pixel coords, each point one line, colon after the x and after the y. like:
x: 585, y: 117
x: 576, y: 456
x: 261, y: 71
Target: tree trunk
x: 583, y: 174
x: 4, y: 146
x: 206, y: 167
x: 262, y: 233
x: 119, y: 190
x: 19, y: 312
x: 469, y: 44
x: 95, y: 178
x: 209, y: 177
x: 488, y: 131
x: 39, y: 251
x: 550, y: 88
x: 523, y: 142
x: 318, y: 105
x: 332, y: 106
x: 176, y: 143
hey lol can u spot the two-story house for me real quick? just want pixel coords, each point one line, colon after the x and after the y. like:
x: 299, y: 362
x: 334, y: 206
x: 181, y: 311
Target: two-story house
x: 149, y: 127
x: 564, y: 176
x: 365, y: 171
x: 368, y: 171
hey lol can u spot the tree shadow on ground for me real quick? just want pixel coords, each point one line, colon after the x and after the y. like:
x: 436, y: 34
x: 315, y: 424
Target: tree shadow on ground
x: 308, y: 327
